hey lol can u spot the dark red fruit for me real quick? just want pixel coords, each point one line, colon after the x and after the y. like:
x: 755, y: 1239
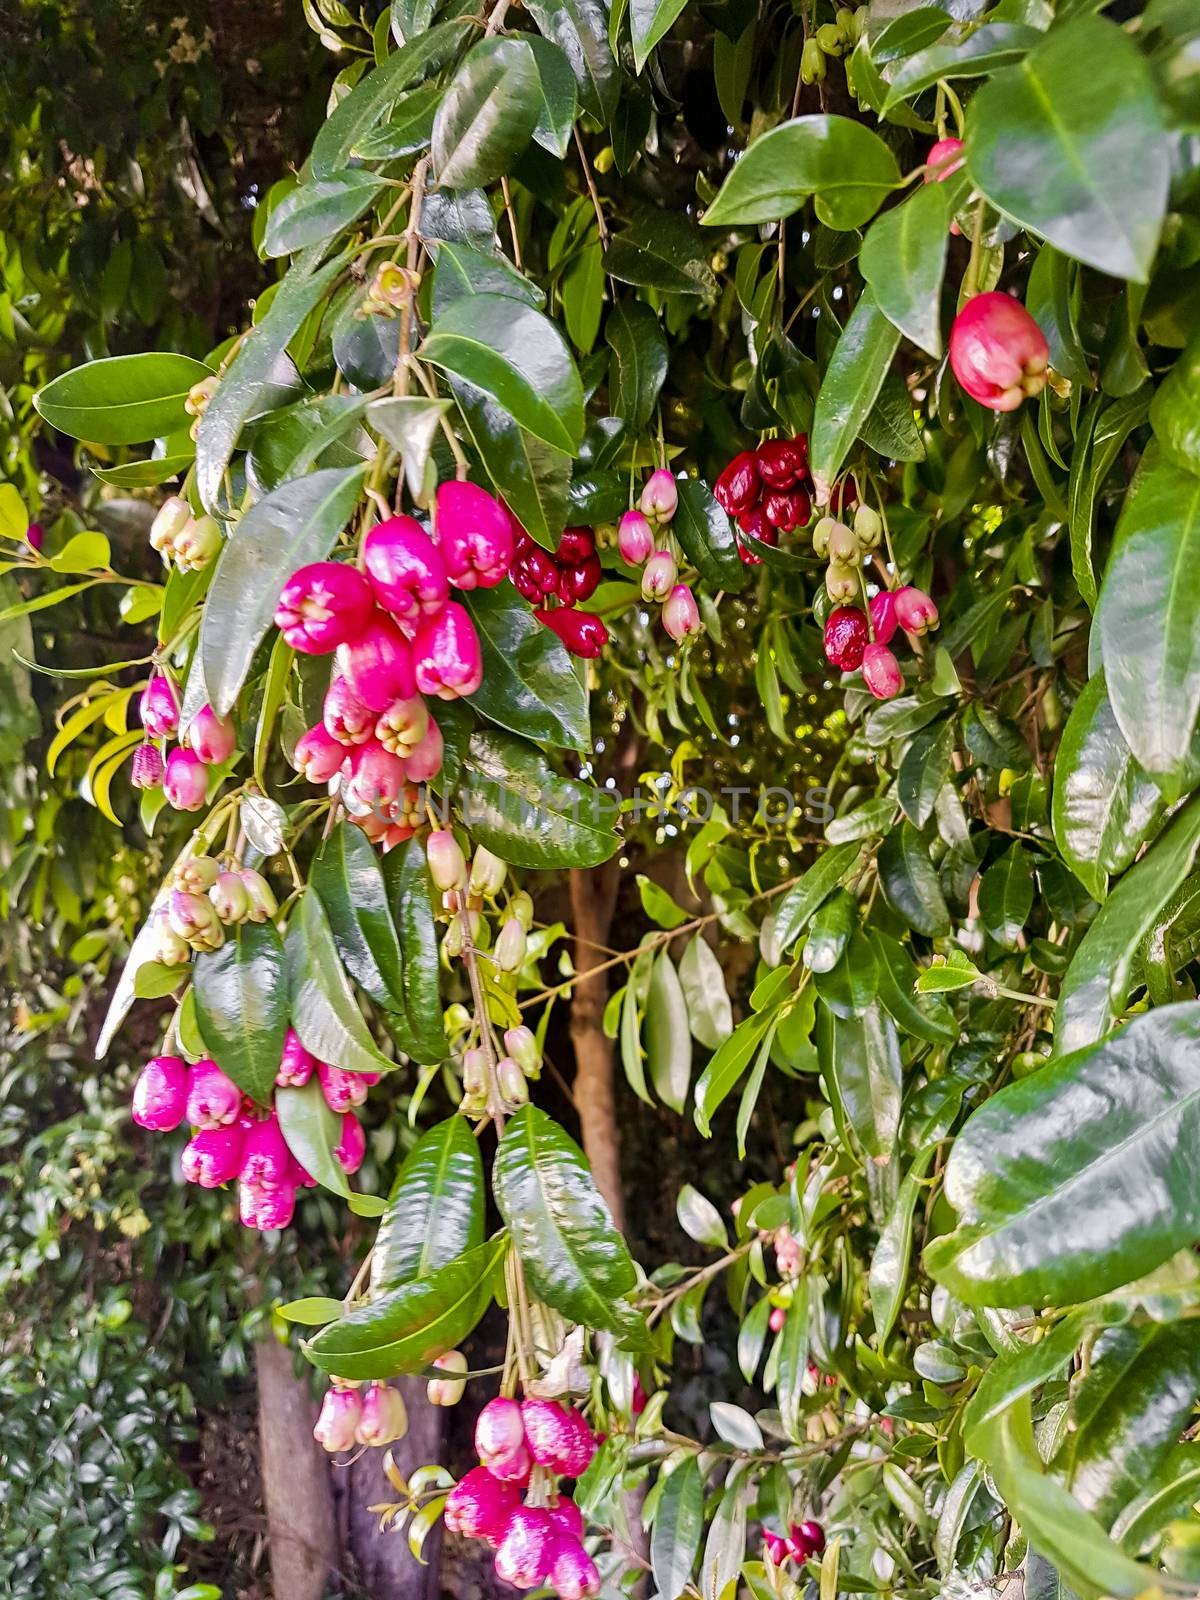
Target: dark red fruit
x: 807, y: 1539
x: 787, y: 509
x: 843, y: 498
x: 524, y: 585
x: 576, y: 546
x: 780, y: 463
x: 582, y: 632
x: 739, y: 486
x: 846, y: 637
x: 754, y: 522
x: 579, y: 583
x: 539, y: 568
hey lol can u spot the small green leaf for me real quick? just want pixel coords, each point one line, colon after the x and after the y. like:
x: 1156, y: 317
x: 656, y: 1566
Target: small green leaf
x: 488, y: 114
x: 668, y: 1042
x: 435, y: 1210
x: 848, y: 169
x: 242, y: 1007
x: 324, y: 1011
x: 121, y: 399
x: 849, y: 388
x: 316, y: 210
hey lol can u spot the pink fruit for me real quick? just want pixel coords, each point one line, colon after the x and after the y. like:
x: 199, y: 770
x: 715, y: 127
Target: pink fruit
x: 447, y: 655
x: 375, y: 781
x: 635, y: 538
x: 479, y: 1505
x: 580, y: 582
x: 807, y: 1539
x: 883, y: 616
x: 337, y: 1424
x: 147, y: 769
x: 522, y: 1556
x: 550, y: 1431
x: 214, y: 1101
x: 447, y: 864
x: 342, y: 1089
x: 881, y: 672
x: 344, y: 716
x: 214, y: 1156
x: 739, y: 485
x: 997, y: 351
x: 296, y: 1065
x: 777, y: 1319
x: 681, y: 615
x: 35, y: 536
x: 777, y: 1547
x: 264, y: 1208
x: 318, y: 756
x: 474, y: 534
x: 660, y: 496
x: 266, y: 1159
x: 944, y: 159
x: 846, y: 638
x: 384, y: 1417
x: 185, y: 780
x: 576, y: 546
x: 658, y: 576
x: 915, y: 611
x: 781, y: 462
x: 403, y: 725
x: 213, y: 738
x: 160, y: 1094
x: 158, y: 708
x: 499, y: 1429
x: 424, y: 761
x: 323, y: 605
x: 352, y: 1145
x: 571, y: 1571
x: 566, y: 1517
x: 378, y: 664
x: 582, y: 632
x: 406, y: 570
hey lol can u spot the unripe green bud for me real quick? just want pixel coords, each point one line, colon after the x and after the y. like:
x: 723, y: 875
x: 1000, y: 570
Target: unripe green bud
x: 509, y: 953
x: 514, y: 1090
x: 197, y: 875
x: 521, y: 907
x: 171, y: 518
x: 841, y: 582
x: 488, y: 873
x: 820, y: 535
x: 230, y: 898
x: 868, y: 527
x: 848, y: 25
x: 523, y: 1048
x: 843, y: 546
x: 474, y: 1068
x: 812, y: 62
x: 169, y: 949
x: 198, y: 544
x: 829, y: 37
x: 263, y: 903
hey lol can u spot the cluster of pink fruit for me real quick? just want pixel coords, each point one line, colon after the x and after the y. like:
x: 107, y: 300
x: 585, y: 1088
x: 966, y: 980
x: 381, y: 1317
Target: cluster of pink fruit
x: 372, y: 1416
x: 767, y: 491
x: 208, y: 741
x: 638, y: 542
x: 233, y: 1138
x: 538, y: 1540
x: 802, y: 1540
x: 396, y: 636
x: 851, y: 641
x: 569, y: 576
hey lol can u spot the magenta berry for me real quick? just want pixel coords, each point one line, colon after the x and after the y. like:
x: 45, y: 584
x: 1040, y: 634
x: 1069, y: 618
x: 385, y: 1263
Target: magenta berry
x: 147, y: 769
x: 846, y: 637
x: 352, y: 1144
x: 739, y: 485
x: 342, y: 1089
x: 375, y: 781
x: 447, y: 655
x: 777, y: 1319
x: 499, y: 1430
x: 213, y: 1156
x: 424, y: 761
x: 384, y: 1417
x: 945, y: 158
x: 266, y: 1208
x: 881, y: 672
x: 577, y: 546
x: 266, y: 1159
x: 780, y: 462
x: 318, y: 756
x: 296, y: 1065
x: 213, y: 1100
x: 337, y: 1423
x: 807, y: 1539
x: 522, y: 1556
x: 479, y: 1505
x: 580, y: 582
x: 787, y: 509
x: 35, y: 536
x: 571, y: 1571
x: 915, y: 611
x: 474, y: 535
x: 158, y: 708
x: 403, y: 726
x: 185, y: 780
x: 322, y: 606
x: 635, y: 538
x: 582, y: 632
x: 378, y: 664
x: 160, y: 1094
x: 997, y: 351
x: 883, y: 616
x: 213, y: 738
x: 344, y: 716
x: 406, y: 570
x: 566, y: 1517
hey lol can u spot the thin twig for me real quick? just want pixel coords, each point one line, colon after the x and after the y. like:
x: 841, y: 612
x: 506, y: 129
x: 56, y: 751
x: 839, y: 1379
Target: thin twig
x: 592, y: 190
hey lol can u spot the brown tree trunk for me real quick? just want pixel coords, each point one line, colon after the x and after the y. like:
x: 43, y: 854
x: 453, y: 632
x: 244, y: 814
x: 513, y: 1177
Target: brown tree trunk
x: 295, y: 1477
x: 381, y: 1563
x: 593, y: 897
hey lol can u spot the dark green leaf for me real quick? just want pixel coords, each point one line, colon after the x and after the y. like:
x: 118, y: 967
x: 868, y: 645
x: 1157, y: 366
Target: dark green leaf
x: 793, y: 1362
x: 660, y: 250
x: 410, y: 890
x: 639, y: 364
x: 849, y: 388
x: 316, y: 210
x: 407, y: 130
x: 843, y: 164
x: 580, y: 29
x: 897, y: 976
x: 464, y: 270
x: 911, y: 883
x: 1006, y: 896
x: 312, y: 1133
x: 668, y: 1042
x: 972, y: 55
x: 903, y: 259
x: 324, y: 1011
x: 242, y: 1006
x: 924, y: 768
x: 348, y: 880
x: 678, y: 1524
x: 705, y: 536
x: 649, y: 23
x: 488, y: 114
x: 531, y: 478
x: 864, y: 1066
x: 722, y: 1073
x: 121, y: 399
x: 517, y: 806
x: 573, y: 1256
x: 557, y: 107
x: 709, y: 1013
x: 530, y: 685
x: 797, y: 906
x: 435, y: 1210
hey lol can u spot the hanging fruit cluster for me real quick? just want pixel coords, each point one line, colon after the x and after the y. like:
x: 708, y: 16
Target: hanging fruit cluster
x: 644, y: 541
x: 556, y: 585
x: 768, y: 491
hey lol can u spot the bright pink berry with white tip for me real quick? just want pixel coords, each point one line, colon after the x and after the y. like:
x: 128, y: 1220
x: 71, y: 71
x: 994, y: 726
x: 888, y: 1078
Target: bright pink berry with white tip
x: 479, y: 1505
x: 915, y: 611
x: 337, y: 1424
x: 424, y: 761
x: 213, y: 1156
x: 378, y: 664
x: 447, y: 655
x: 352, y: 1145
x: 214, y: 1100
x: 318, y: 756
x: 296, y: 1065
x: 160, y: 1094
x: 659, y: 497
x: 522, y: 1556
x: 375, y: 781
x: 147, y: 769
x: 384, y: 1417
x: 881, y: 672
x: 266, y: 1159
x: 659, y: 576
x: 406, y: 570
x: 474, y: 534
x: 158, y: 708
x: 266, y: 1208
x: 323, y: 605
x: 559, y: 1438
x: 341, y: 1089
x: 344, y: 716
x: 403, y: 725
x: 777, y: 1319
x: 944, y: 159
x: 185, y: 780
x: 566, y: 1517
x: 883, y: 616
x: 571, y: 1571
x: 499, y: 1430
x: 213, y: 738
x: 681, y: 614
x: 997, y: 351
x: 635, y: 538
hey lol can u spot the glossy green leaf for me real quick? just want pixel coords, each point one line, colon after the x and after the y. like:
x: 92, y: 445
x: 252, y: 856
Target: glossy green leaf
x: 580, y: 29
x: 463, y: 269
x: 793, y: 1362
x: 347, y: 878
x: 829, y: 932
x: 847, y: 168
x: 1091, y: 1151
x: 517, y: 356
x: 660, y: 250
x: 1071, y: 143
x: 924, y: 768
x: 1098, y: 444
x: 1006, y: 896
x: 911, y: 882
x: 574, y: 1257
x: 649, y: 23
x: 1144, y: 621
x: 639, y: 362
x: 121, y: 399
x: 668, y: 1042
x: 410, y: 423
x: 487, y: 115
x: 410, y: 891
x: 407, y: 130
x: 1026, y: 1368
x: 1104, y: 806
x: 1171, y: 1494
x: 530, y: 685
x: 863, y: 1063
x: 435, y: 1211
x: 558, y: 101
x: 312, y: 1133
x: 903, y: 258
x: 324, y: 1010
x: 797, y: 906
x: 849, y: 388
x: 531, y: 477
x: 973, y: 54
x: 517, y: 806
x: 678, y: 1525
x: 706, y: 537
x: 1175, y: 411
x: 242, y: 1006
x: 1096, y: 984
x: 406, y: 1328
x: 297, y: 523
x: 700, y: 1219
x: 316, y: 210
x: 897, y: 978
x: 709, y: 1012
x: 722, y: 1073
